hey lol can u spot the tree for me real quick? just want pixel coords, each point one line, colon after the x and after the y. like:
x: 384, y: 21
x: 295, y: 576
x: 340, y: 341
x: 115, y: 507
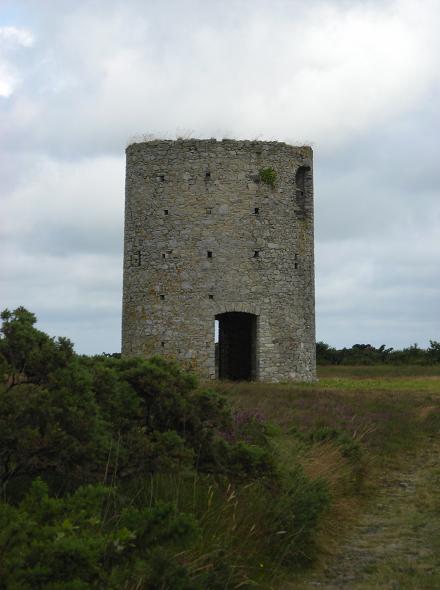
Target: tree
x: 27, y: 354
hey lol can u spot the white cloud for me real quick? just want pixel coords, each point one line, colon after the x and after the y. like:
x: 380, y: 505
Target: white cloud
x: 14, y: 36
x: 10, y: 39
x: 321, y: 72
x: 82, y: 196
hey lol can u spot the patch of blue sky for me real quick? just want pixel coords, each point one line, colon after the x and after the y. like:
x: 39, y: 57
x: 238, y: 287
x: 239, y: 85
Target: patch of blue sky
x: 11, y: 14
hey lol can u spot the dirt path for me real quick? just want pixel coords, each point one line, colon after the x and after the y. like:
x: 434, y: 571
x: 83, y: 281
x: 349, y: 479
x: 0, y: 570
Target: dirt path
x: 396, y: 545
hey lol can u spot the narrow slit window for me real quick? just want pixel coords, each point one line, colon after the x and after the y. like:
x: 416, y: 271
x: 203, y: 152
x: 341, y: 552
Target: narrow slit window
x: 135, y: 259
x: 256, y: 253
x: 207, y: 175
x: 208, y: 210
x: 296, y: 265
x: 209, y: 254
x: 256, y: 211
x: 162, y: 344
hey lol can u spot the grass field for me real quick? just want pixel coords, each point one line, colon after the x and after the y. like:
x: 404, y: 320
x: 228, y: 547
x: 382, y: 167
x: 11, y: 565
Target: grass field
x: 376, y: 371
x: 387, y: 408
x: 364, y: 423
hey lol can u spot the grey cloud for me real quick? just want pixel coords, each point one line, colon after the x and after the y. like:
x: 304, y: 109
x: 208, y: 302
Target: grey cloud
x: 358, y: 79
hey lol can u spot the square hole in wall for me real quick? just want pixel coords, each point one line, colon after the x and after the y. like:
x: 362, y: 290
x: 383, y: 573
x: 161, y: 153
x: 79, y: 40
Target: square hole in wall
x: 210, y: 296
x: 165, y: 212
x: 162, y: 297
x: 207, y: 175
x: 162, y: 344
x: 208, y: 210
x: 256, y: 253
x: 256, y: 211
x: 161, y: 177
x: 209, y: 254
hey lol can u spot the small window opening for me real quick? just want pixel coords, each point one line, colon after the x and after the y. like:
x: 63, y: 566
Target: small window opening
x: 210, y: 296
x: 162, y: 344
x: 207, y: 175
x: 208, y: 210
x: 162, y: 297
x: 302, y: 181
x: 256, y: 211
x: 209, y: 254
x: 296, y: 265
x: 161, y: 178
x: 165, y: 211
x: 135, y: 258
x: 256, y: 253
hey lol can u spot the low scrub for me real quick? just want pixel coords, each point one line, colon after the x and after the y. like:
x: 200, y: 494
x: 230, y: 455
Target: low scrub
x: 125, y: 473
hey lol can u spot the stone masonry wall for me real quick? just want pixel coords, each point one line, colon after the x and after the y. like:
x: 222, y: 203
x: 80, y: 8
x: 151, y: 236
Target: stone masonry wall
x: 204, y: 235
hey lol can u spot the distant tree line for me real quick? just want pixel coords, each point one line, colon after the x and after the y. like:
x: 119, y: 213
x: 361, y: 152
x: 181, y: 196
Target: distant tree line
x: 366, y: 354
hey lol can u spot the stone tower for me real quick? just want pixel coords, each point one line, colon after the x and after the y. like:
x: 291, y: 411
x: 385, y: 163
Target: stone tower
x: 221, y: 230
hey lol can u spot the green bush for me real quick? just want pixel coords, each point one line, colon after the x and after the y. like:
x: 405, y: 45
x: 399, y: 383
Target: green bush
x: 268, y: 176
x: 350, y: 449
x: 123, y: 473
x: 295, y: 515
x: 86, y: 540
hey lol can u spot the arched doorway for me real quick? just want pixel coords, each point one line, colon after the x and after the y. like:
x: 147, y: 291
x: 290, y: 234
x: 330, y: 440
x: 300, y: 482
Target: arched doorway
x: 237, y: 346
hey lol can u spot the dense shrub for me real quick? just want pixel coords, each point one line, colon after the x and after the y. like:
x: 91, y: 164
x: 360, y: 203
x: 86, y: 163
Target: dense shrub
x: 90, y: 539
x: 124, y: 473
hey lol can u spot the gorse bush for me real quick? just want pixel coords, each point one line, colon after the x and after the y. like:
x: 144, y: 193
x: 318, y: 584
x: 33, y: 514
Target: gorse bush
x: 92, y: 539
x: 124, y: 473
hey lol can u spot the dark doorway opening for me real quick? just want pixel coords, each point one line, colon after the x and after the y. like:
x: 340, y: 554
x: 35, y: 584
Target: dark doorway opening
x: 237, y: 346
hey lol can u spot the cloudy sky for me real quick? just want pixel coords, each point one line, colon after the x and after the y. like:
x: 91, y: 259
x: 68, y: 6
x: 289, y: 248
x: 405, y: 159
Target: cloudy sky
x: 357, y: 79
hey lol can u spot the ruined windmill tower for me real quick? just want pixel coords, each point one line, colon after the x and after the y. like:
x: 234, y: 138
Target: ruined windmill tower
x: 221, y: 230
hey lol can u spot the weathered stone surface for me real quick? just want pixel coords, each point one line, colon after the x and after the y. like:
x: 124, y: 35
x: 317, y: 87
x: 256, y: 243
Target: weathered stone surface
x: 203, y: 236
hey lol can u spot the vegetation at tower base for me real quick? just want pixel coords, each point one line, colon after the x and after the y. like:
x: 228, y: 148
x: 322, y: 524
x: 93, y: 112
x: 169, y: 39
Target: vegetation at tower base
x: 126, y: 473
